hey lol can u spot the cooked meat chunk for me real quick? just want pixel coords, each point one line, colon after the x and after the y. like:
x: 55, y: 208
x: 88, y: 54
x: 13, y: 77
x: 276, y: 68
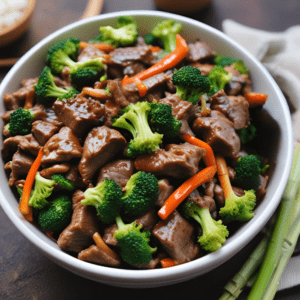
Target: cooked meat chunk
x: 218, y: 132
x: 164, y: 191
x: 178, y: 161
x: 27, y: 143
x: 55, y: 169
x: 89, y: 52
x: 119, y: 170
x: 203, y: 202
x: 108, y: 235
x: 62, y: 147
x: 182, y: 110
x: 199, y: 51
x: 120, y: 96
x: 79, y: 233
x: 235, y: 108
x: 20, y: 166
x: 148, y: 220
x: 261, y: 190
x: 79, y: 114
x: 43, y: 131
x: 100, y: 146
x: 176, y: 236
x: 96, y: 255
x: 204, y: 68
x: 74, y: 176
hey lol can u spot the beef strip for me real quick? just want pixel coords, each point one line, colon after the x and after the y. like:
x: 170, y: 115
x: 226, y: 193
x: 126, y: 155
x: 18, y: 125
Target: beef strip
x: 164, y: 191
x: 89, y: 52
x: 261, y: 190
x: 20, y: 166
x: 204, y: 68
x: 176, y: 236
x: 199, y: 51
x: 147, y: 220
x: 96, y: 255
x: 78, y: 235
x: 235, y: 108
x: 62, y: 147
x: 55, y: 169
x: 43, y: 131
x: 178, y: 161
x: 100, y: 146
x: 119, y: 170
x: 74, y: 176
x: 79, y: 113
x: 203, y: 201
x: 218, y: 132
x: 182, y: 110
x: 108, y: 235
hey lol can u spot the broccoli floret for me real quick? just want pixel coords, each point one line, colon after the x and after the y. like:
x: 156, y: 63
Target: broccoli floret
x: 42, y: 190
x: 166, y: 32
x: 70, y: 46
x: 218, y: 78
x: 84, y: 77
x: 190, y: 83
x: 62, y: 182
x: 162, y: 120
x: 214, y: 233
x: 20, y: 121
x: 239, y: 208
x: 56, y: 215
x: 247, y: 171
x: 134, y: 118
x: 134, y: 244
x: 223, y: 60
x: 106, y: 198
x: 141, y: 191
x: 46, y: 88
x: 125, y: 34
x: 150, y: 39
x: 247, y: 134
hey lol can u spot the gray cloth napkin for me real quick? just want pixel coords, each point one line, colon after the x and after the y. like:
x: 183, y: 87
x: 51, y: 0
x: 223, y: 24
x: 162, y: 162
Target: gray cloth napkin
x: 279, y: 53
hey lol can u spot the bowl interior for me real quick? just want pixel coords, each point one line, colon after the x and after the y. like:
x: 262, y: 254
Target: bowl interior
x: 276, y: 143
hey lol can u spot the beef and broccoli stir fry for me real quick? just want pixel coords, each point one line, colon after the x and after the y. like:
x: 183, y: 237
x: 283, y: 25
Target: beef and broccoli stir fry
x: 135, y: 152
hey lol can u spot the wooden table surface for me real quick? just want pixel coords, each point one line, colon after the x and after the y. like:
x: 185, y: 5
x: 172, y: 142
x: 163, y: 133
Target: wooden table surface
x: 25, y: 273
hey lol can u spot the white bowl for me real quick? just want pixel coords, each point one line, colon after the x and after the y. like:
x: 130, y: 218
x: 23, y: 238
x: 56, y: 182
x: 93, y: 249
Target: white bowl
x: 277, y: 143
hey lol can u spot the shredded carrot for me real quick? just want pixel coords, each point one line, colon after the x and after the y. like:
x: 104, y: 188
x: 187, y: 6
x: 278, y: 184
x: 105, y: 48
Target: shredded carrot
x: 256, y: 99
x: 101, y: 46
x: 167, y: 262
x: 29, y: 99
x: 209, y: 158
x: 169, y: 61
x: 101, y: 245
x: 155, y: 48
x: 96, y: 93
x: 185, y: 189
x: 24, y: 208
x: 223, y: 176
x: 141, y: 87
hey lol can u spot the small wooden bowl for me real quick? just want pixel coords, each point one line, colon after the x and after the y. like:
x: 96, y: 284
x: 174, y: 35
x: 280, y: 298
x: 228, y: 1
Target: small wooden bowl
x: 13, y: 32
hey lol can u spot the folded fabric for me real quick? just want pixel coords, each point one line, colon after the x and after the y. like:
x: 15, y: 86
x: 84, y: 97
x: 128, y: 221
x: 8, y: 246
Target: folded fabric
x: 279, y: 53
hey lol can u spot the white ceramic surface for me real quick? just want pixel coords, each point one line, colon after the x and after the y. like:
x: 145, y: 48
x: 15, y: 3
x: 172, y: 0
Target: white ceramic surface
x: 277, y: 143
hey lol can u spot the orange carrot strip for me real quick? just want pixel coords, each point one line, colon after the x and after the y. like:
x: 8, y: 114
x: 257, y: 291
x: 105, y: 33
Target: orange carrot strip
x: 155, y: 48
x: 96, y: 93
x: 185, y: 189
x: 209, y: 159
x: 24, y: 208
x: 256, y: 99
x: 167, y: 262
x: 169, y: 61
x: 101, y: 46
x: 141, y: 87
x: 29, y: 99
x: 222, y: 172
x: 101, y: 245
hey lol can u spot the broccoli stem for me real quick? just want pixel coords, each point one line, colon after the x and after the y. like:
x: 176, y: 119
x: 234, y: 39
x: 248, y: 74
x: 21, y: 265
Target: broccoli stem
x: 119, y: 222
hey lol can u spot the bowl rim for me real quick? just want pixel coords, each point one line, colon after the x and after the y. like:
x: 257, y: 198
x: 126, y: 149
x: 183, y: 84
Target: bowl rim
x: 187, y: 270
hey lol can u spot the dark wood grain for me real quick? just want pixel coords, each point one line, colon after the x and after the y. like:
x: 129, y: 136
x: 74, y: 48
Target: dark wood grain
x: 25, y: 273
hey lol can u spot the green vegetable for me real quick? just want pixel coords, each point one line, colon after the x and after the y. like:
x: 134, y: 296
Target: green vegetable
x: 105, y: 197
x: 214, y: 233
x: 190, y: 84
x: 247, y: 134
x: 125, y: 34
x: 141, y: 191
x: 57, y: 215
x: 46, y: 88
x: 134, y: 118
x: 247, y: 171
x: 20, y: 121
x: 223, y: 60
x: 62, y: 182
x: 162, y: 120
x: 134, y: 244
x: 150, y: 39
x: 218, y: 78
x: 239, y: 208
x: 166, y: 31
